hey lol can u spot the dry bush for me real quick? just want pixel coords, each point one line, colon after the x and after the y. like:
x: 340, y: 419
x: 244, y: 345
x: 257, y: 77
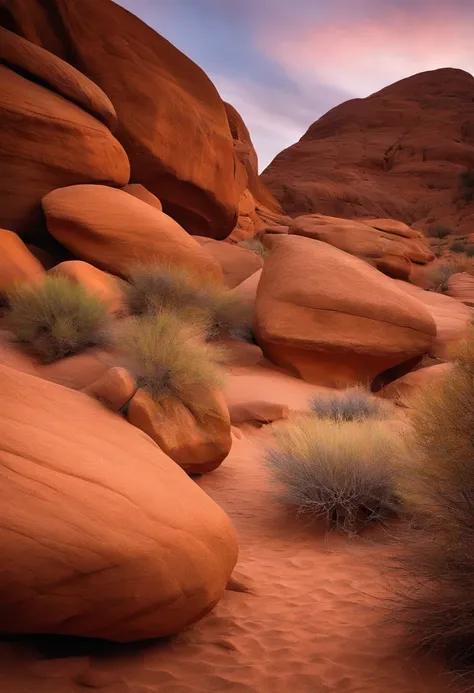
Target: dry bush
x: 439, y: 231
x: 439, y: 275
x: 155, y: 288
x: 352, y: 404
x: 255, y: 245
x: 458, y: 246
x: 437, y: 586
x: 344, y: 473
x: 57, y: 318
x: 169, y: 358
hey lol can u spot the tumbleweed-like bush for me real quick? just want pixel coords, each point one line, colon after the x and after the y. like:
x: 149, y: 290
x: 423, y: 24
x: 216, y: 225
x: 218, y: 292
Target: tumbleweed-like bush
x: 56, y: 318
x: 154, y: 288
x: 344, y: 473
x: 353, y: 404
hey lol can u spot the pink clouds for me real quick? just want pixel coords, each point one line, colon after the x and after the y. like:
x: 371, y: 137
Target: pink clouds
x: 365, y: 54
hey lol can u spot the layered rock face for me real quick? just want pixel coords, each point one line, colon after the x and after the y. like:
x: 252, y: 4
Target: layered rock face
x: 400, y: 153
x: 188, y: 160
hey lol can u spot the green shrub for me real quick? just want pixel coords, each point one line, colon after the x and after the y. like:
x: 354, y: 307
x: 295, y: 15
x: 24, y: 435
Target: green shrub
x: 353, y: 404
x: 457, y: 246
x: 343, y: 473
x: 154, y: 288
x: 437, y: 586
x: 469, y: 250
x: 255, y: 245
x: 57, y: 318
x: 439, y: 231
x: 168, y: 358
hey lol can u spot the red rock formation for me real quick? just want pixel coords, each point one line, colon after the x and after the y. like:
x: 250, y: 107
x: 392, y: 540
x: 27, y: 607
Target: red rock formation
x: 399, y: 153
x: 172, y: 122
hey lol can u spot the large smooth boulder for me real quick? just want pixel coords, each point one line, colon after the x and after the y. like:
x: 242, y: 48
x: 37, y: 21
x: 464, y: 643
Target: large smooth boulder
x: 461, y: 287
x: 237, y: 263
x: 452, y: 318
x: 333, y: 319
x: 114, y: 231
x: 103, y: 285
x: 17, y: 263
x: 101, y: 534
x: 172, y: 121
x: 397, y: 154
x: 387, y: 244
x: 52, y: 133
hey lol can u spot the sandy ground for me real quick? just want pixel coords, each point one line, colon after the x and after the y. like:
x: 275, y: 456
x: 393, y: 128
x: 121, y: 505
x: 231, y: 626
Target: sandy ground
x: 313, y: 621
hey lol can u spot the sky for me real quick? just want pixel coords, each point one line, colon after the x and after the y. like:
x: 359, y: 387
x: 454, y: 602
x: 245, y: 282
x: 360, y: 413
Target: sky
x: 284, y: 63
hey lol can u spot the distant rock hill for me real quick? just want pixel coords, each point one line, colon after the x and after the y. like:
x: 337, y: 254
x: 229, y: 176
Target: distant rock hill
x: 406, y: 152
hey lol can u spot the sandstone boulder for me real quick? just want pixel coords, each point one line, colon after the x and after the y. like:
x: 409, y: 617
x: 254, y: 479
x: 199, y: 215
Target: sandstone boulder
x: 114, y: 389
x: 101, y: 534
x: 332, y: 318
x: 105, y: 286
x: 176, y: 133
x: 198, y: 441
x: 247, y: 290
x: 17, y: 263
x: 237, y: 263
x: 388, y: 245
x: 114, y: 231
x: 461, y: 287
x: 400, y: 154
x: 452, y: 318
x: 143, y: 194
x: 48, y: 141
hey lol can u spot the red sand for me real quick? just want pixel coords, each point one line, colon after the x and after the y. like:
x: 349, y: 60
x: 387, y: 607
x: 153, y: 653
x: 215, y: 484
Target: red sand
x: 313, y: 623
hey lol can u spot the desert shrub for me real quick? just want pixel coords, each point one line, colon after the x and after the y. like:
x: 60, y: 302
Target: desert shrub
x: 439, y: 275
x: 439, y: 231
x: 344, y: 473
x: 353, y: 404
x: 437, y: 588
x: 169, y: 358
x: 255, y: 245
x: 57, y: 318
x: 155, y: 288
x: 469, y: 250
x: 457, y: 246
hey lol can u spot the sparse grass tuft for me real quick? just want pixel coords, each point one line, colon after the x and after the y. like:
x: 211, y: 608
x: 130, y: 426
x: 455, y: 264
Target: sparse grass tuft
x: 344, y: 473
x: 353, y: 404
x: 439, y: 231
x: 56, y: 319
x: 154, y: 288
x: 438, y: 577
x: 255, y: 245
x: 169, y: 358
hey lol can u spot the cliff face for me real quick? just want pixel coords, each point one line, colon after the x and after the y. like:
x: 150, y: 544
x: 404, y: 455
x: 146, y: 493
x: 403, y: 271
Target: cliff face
x: 400, y: 153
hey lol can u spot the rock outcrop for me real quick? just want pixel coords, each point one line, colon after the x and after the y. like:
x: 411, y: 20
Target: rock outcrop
x: 101, y: 534
x: 171, y: 120
x: 399, y: 153
x: 17, y: 264
x: 54, y: 131
x: 333, y: 319
x: 389, y: 245
x: 114, y: 231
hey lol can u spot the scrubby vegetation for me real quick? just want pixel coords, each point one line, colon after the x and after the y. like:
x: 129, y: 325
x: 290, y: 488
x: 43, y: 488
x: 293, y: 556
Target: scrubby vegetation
x: 341, y: 472
x: 438, y: 589
x: 353, y: 404
x: 439, y: 275
x: 169, y: 358
x: 439, y: 231
x: 57, y: 318
x: 457, y: 246
x: 254, y: 244
x: 155, y: 288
